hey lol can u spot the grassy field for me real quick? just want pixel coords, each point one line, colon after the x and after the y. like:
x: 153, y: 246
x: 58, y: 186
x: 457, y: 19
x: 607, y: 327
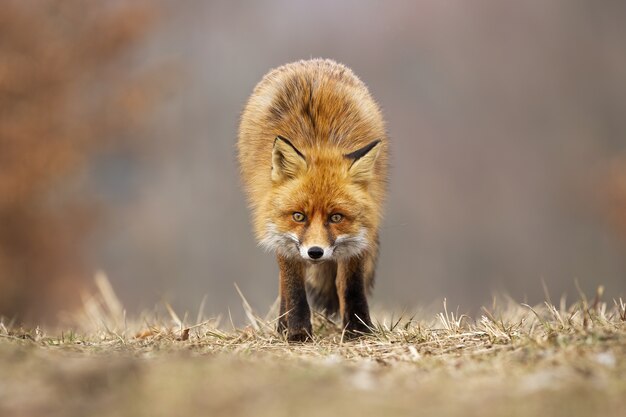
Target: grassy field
x: 517, y: 360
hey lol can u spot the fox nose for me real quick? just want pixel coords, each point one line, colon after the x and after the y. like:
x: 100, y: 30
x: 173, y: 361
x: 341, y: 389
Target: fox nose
x: 315, y: 252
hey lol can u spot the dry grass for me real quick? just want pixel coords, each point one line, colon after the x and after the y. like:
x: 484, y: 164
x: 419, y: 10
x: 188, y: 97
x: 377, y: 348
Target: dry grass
x: 517, y: 360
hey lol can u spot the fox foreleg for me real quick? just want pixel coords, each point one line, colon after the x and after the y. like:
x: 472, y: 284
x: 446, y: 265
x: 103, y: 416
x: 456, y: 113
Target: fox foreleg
x: 351, y: 289
x: 295, y: 314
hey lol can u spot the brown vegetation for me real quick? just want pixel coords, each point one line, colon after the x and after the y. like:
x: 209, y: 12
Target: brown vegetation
x: 64, y: 97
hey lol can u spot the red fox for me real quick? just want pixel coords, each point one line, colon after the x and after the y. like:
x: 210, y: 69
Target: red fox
x: 313, y: 156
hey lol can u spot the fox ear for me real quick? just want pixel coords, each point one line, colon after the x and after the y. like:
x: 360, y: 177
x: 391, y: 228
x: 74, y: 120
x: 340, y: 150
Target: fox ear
x: 363, y: 161
x: 287, y: 161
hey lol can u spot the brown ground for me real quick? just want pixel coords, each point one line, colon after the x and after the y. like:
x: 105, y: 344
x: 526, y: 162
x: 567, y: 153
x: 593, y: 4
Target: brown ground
x: 524, y: 361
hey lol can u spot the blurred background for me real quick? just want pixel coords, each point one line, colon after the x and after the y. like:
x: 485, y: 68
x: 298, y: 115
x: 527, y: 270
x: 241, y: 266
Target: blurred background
x: 118, y: 122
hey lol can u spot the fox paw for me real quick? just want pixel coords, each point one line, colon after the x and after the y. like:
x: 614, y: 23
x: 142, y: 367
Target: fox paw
x: 299, y: 336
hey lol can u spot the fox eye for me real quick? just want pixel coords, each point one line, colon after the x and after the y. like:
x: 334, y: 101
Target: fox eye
x: 336, y: 218
x: 299, y: 217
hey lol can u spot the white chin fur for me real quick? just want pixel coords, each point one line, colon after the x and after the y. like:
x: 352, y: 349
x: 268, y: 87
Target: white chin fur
x: 284, y: 243
x: 287, y: 244
x: 348, y: 246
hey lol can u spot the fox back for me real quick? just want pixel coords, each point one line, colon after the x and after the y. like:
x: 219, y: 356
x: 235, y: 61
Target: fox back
x: 313, y: 158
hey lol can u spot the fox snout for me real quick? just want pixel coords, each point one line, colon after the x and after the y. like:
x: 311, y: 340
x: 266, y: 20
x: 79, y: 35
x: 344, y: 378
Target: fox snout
x: 316, y: 253
x: 316, y: 239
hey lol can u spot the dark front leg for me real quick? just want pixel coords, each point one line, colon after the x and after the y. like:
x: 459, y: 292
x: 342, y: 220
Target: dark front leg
x: 353, y: 306
x: 295, y: 315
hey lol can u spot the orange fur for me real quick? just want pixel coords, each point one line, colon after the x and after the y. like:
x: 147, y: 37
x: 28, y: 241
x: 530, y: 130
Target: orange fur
x: 312, y: 141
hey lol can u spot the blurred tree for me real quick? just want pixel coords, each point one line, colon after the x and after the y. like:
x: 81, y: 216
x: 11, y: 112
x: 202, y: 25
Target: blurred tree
x: 65, y: 96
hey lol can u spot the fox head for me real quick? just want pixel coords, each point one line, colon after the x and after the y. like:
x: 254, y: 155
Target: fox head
x: 321, y: 205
